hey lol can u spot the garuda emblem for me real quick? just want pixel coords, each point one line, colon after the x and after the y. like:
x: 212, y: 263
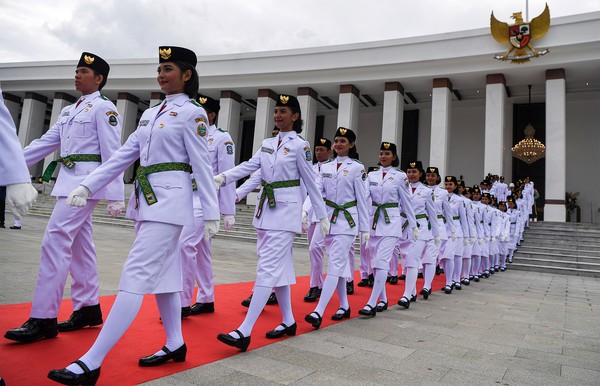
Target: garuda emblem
x: 520, y: 35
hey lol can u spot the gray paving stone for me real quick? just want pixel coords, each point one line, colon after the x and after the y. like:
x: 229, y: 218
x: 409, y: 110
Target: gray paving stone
x: 580, y: 374
x: 535, y: 378
x: 560, y: 359
x: 266, y: 368
x: 464, y: 378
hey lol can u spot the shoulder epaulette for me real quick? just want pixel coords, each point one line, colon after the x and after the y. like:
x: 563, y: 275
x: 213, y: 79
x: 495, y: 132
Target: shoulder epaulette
x: 328, y: 161
x: 221, y: 130
x: 301, y: 137
x: 354, y: 159
x: 104, y: 97
x: 400, y: 170
x: 195, y: 103
x: 376, y: 168
x: 156, y: 104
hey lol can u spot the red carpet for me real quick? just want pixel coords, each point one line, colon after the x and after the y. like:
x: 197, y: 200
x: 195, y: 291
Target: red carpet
x: 28, y: 364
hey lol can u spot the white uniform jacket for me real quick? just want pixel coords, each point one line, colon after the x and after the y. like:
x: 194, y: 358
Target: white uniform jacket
x: 459, y: 215
x: 93, y: 127
x: 422, y: 199
x: 176, y: 134
x: 478, y: 209
x: 291, y: 160
x: 442, y: 208
x: 393, y: 188
x: 470, y: 218
x: 13, y: 169
x: 222, y: 155
x: 343, y: 185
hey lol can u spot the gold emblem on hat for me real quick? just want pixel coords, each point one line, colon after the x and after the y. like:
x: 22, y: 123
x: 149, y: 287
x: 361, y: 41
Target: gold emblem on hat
x: 448, y: 178
x: 165, y: 53
x: 202, y: 100
x: 284, y: 99
x: 343, y: 131
x: 88, y: 59
x: 386, y: 145
x: 413, y: 164
x: 323, y: 140
x: 431, y: 170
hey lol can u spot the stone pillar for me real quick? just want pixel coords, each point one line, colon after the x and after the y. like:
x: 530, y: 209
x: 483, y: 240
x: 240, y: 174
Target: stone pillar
x: 61, y: 100
x: 348, y: 107
x: 229, y: 116
x: 495, y: 104
x: 156, y: 98
x: 32, y: 123
x: 441, y: 99
x: 13, y: 104
x: 263, y: 126
x: 556, y: 148
x: 307, y: 97
x: 393, y: 114
x: 127, y: 106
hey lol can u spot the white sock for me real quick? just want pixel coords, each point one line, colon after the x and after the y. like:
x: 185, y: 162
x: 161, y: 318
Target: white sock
x: 429, y: 273
x: 457, y: 269
x: 378, y: 287
x: 169, y: 306
x: 285, y: 305
x: 329, y: 286
x: 411, y: 282
x: 259, y: 300
x: 448, y: 270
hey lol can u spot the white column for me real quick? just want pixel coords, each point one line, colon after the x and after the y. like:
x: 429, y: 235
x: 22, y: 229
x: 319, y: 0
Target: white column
x: 127, y: 106
x: 229, y: 116
x: 393, y: 114
x: 13, y: 104
x: 60, y: 101
x: 440, y: 123
x: 495, y: 103
x: 348, y: 107
x: 307, y: 97
x: 32, y: 123
x: 263, y: 125
x: 556, y: 148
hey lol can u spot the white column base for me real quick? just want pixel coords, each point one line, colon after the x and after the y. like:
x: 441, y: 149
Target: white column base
x: 555, y: 212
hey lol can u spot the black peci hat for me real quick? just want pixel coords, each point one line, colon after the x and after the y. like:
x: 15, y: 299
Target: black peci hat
x: 389, y: 146
x: 94, y: 62
x: 289, y: 101
x: 450, y: 179
x: 415, y: 165
x: 433, y: 170
x: 346, y: 133
x: 324, y: 142
x: 486, y: 195
x: 476, y: 189
x: 176, y: 54
x: 209, y: 104
x: 460, y: 183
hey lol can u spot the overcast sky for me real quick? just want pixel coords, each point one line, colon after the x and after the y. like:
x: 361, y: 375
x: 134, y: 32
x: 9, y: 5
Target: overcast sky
x: 39, y: 30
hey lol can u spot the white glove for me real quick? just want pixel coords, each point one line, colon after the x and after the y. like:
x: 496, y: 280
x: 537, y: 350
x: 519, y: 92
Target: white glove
x: 79, y: 196
x: 453, y: 236
x: 516, y: 234
x: 415, y: 233
x: 494, y: 238
x: 305, y: 222
x: 472, y: 241
x: 465, y: 241
x: 481, y: 241
x: 437, y: 240
x: 114, y: 208
x: 364, y: 237
x: 21, y: 197
x: 228, y: 222
x: 325, y: 226
x: 503, y: 238
x: 211, y: 228
x: 219, y: 180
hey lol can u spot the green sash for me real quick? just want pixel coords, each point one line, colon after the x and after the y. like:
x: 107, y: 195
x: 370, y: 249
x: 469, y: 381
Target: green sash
x: 442, y: 217
x: 423, y: 215
x: 343, y: 208
x: 268, y: 192
x: 69, y: 162
x: 142, y: 177
x: 382, y: 207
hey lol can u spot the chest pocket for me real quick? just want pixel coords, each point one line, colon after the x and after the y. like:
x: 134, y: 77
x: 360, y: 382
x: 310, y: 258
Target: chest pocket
x: 81, y: 127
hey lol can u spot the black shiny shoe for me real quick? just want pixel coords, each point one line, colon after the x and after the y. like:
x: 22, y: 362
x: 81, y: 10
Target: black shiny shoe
x: 242, y: 342
x: 438, y: 270
x: 420, y: 275
x: 447, y: 289
x: 425, y: 292
x: 84, y: 317
x: 33, y: 329
x: 246, y: 302
x: 67, y: 377
x: 363, y: 283
x: 381, y: 306
x: 457, y: 286
x: 315, y: 321
x: 185, y: 312
x: 202, y: 308
x: 394, y: 280
x: 404, y: 302
x: 465, y: 281
x: 274, y: 334
x: 413, y: 298
x: 344, y: 315
x: 371, y: 281
x: 156, y: 360
x: 372, y: 311
x: 272, y: 299
x: 402, y: 277
x: 313, y: 294
x: 476, y: 279
x: 350, y: 287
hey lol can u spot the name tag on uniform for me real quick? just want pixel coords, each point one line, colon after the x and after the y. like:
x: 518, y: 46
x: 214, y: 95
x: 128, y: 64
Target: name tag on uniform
x: 326, y: 175
x: 372, y: 183
x: 144, y: 122
x: 267, y: 150
x: 66, y: 114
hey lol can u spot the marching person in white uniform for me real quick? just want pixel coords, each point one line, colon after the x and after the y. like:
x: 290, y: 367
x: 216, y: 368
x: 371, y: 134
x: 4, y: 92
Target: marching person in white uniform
x: 194, y: 248
x: 283, y: 161
x: 459, y: 217
x: 389, y: 194
x: 171, y: 142
x: 342, y: 184
x: 478, y: 247
x: 87, y: 134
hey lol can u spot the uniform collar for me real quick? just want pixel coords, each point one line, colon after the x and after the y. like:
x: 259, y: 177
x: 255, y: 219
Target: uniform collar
x: 177, y: 99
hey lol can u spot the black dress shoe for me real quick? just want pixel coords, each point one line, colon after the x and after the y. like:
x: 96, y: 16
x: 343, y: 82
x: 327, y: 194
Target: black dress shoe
x: 371, y: 281
x: 363, y: 283
x: 425, y: 292
x: 394, y: 280
x: 15, y: 227
x: 402, y: 277
x: 315, y: 321
x: 185, y: 312
x: 476, y: 279
x: 67, y: 377
x: 465, y: 281
x: 242, y: 342
x: 438, y: 270
x: 157, y: 360
x: 246, y: 302
x: 272, y: 299
x: 381, y: 306
x: 85, y: 316
x: 447, y: 289
x: 419, y: 275
x: 32, y: 330
x: 202, y: 308
x: 413, y: 298
x: 2, y: 226
x: 313, y: 294
x: 372, y: 311
x: 344, y: 315
x: 457, y: 286
x: 350, y: 287
x: 274, y: 334
x: 404, y: 302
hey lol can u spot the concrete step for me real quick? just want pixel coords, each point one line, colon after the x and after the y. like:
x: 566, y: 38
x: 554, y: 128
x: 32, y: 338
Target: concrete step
x: 549, y: 261
x: 553, y: 241
x: 542, y: 249
x: 522, y: 266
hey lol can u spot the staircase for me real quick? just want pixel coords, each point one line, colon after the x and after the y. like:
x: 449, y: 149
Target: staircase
x: 562, y: 248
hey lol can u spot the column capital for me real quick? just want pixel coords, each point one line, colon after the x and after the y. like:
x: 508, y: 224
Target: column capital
x: 231, y: 95
x: 267, y: 93
x: 394, y: 86
x: 556, y: 73
x: 36, y: 97
x: 308, y: 91
x: 128, y: 97
x: 349, y: 89
x: 64, y: 96
x: 11, y: 97
x: 442, y: 82
x: 157, y: 96
x: 495, y: 79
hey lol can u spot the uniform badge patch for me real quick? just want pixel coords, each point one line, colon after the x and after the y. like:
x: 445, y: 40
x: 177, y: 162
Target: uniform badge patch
x: 201, y: 119
x: 374, y: 183
x: 173, y: 113
x: 229, y: 149
x: 364, y: 176
x: 267, y: 150
x: 112, y: 120
x: 201, y: 129
x: 161, y: 125
x: 326, y: 175
x: 345, y: 172
x: 307, y: 153
x: 144, y: 122
x: 112, y: 113
x: 286, y: 151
